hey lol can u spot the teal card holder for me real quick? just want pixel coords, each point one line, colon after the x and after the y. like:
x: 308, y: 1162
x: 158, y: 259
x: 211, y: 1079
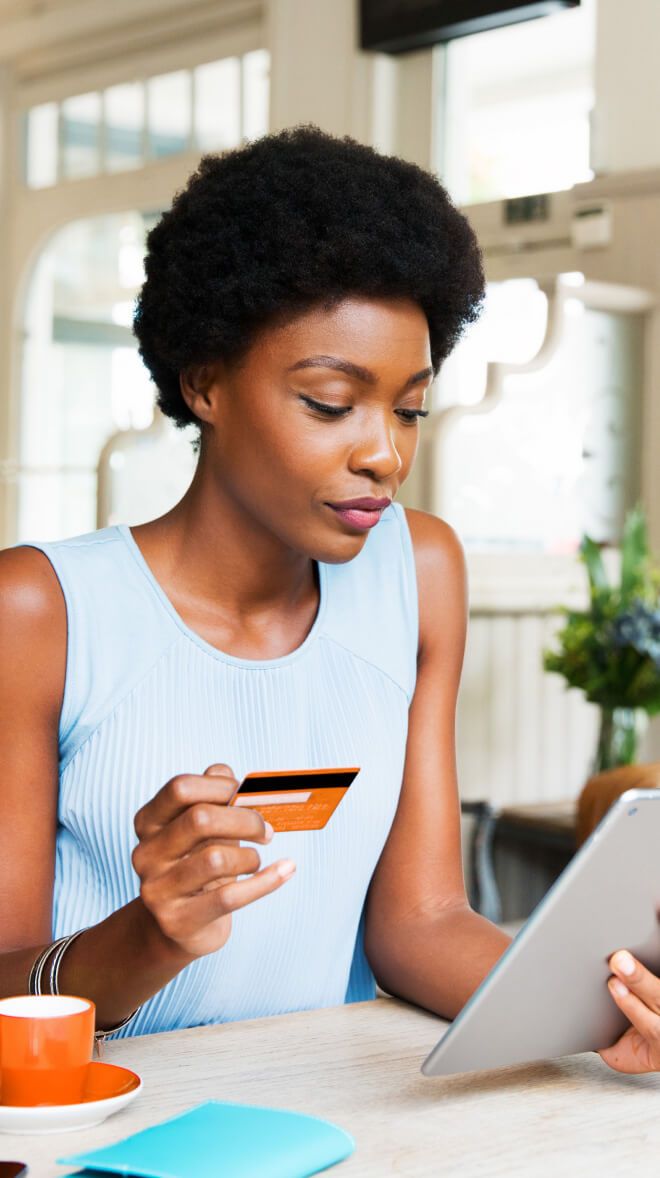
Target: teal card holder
x: 221, y: 1140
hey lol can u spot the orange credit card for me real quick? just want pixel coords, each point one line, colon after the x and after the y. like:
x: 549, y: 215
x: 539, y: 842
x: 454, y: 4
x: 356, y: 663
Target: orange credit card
x: 295, y: 799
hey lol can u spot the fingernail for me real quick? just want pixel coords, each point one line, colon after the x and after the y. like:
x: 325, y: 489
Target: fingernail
x: 619, y: 987
x: 625, y: 963
x: 269, y: 831
x: 286, y: 868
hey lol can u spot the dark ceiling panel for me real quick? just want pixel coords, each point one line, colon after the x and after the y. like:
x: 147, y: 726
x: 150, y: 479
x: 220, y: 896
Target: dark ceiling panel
x: 396, y: 26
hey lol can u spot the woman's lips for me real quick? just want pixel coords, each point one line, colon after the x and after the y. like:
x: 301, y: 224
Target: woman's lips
x: 357, y: 517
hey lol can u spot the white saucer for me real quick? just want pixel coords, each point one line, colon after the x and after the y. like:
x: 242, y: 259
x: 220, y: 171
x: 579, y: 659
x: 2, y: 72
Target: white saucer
x: 108, y: 1089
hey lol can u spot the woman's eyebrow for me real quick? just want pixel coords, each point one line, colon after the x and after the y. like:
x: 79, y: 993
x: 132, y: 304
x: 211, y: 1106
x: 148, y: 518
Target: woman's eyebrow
x: 354, y: 370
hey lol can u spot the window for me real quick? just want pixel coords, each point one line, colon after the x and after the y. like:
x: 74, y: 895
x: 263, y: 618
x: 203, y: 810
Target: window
x: 213, y: 107
x: 169, y: 114
x: 517, y: 104
x: 124, y: 126
x: 82, y: 377
x: 256, y: 66
x: 80, y: 136
x: 567, y: 432
x: 218, y: 104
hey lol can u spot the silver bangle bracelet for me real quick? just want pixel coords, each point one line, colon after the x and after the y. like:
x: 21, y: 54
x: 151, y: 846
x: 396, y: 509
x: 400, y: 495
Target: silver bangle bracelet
x: 57, y: 959
x: 36, y: 973
x: 101, y: 1036
x: 58, y: 949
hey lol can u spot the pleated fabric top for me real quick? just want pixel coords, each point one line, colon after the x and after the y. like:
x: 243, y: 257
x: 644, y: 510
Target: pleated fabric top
x: 147, y: 698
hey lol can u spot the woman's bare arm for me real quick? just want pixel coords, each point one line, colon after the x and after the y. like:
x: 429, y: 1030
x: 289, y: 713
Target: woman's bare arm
x: 423, y: 940
x: 188, y: 880
x: 33, y: 635
x: 32, y: 667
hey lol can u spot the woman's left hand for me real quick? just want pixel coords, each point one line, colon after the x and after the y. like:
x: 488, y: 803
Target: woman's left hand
x: 636, y: 992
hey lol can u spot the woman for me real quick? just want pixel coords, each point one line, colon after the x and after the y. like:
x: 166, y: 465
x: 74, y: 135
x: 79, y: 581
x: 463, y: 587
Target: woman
x: 300, y: 296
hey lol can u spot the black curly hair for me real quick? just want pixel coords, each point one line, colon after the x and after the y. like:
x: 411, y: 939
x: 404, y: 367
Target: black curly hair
x: 292, y: 221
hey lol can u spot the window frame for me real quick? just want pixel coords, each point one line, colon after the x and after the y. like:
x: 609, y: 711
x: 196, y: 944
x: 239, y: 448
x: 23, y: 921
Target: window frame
x: 38, y: 213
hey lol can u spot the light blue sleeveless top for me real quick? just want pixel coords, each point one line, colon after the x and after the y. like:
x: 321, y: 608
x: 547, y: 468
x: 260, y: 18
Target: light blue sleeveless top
x: 146, y: 698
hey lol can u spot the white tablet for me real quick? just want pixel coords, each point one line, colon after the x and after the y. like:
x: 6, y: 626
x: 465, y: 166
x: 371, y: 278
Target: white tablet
x: 548, y: 995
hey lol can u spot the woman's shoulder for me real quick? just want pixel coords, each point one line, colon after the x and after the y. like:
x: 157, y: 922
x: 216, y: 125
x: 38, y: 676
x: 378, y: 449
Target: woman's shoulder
x: 33, y: 589
x: 87, y: 543
x: 441, y: 575
x: 436, y: 545
x: 32, y: 610
x: 32, y: 558
x: 98, y: 614
x: 33, y: 630
x: 40, y: 578
x: 93, y: 560
x: 28, y: 585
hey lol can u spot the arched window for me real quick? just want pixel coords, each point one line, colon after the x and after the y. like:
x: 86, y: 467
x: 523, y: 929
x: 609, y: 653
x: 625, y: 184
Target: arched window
x: 542, y: 419
x: 81, y: 376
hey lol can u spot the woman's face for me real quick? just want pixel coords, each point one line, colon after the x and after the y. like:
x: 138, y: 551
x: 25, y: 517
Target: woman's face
x: 321, y: 411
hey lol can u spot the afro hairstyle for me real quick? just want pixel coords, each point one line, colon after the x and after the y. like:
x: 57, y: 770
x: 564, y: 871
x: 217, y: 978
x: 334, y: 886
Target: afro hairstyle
x: 289, y: 222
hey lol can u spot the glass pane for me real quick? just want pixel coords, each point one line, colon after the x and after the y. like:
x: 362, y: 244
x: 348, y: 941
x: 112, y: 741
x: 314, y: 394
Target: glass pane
x: 541, y: 145
x: 124, y: 122
x: 517, y: 107
x: 41, y: 145
x: 82, y: 379
x: 169, y: 113
x: 131, y: 390
x: 56, y: 504
x: 510, y: 330
x: 256, y: 76
x: 149, y: 471
x: 130, y: 261
x: 567, y: 433
x: 80, y: 135
x: 74, y: 403
x: 218, y: 105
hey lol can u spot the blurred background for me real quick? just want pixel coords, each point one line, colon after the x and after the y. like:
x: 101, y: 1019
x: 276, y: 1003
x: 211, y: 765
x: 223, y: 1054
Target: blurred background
x: 546, y: 419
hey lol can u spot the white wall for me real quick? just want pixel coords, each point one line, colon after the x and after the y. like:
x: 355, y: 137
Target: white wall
x: 319, y: 75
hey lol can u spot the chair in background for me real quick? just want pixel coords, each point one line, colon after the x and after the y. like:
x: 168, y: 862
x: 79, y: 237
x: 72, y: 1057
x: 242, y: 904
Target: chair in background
x: 603, y: 789
x: 479, y: 819
x: 513, y: 855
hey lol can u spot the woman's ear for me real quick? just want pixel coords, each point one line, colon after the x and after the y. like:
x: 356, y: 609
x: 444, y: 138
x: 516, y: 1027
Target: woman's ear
x: 199, y: 386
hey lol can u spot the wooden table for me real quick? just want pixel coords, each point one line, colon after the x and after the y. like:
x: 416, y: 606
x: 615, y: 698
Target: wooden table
x: 359, y: 1067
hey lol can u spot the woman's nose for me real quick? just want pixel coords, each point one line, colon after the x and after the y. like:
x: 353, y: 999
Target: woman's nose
x: 376, y: 453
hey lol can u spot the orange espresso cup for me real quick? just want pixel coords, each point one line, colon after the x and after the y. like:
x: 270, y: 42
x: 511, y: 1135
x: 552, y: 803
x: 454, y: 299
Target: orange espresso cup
x: 46, y: 1044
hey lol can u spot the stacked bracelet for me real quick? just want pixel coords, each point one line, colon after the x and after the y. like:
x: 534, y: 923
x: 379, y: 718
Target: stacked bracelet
x: 34, y: 980
x: 58, y: 949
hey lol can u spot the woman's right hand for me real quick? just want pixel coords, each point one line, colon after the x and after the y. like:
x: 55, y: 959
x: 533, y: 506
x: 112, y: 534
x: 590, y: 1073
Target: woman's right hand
x: 189, y: 856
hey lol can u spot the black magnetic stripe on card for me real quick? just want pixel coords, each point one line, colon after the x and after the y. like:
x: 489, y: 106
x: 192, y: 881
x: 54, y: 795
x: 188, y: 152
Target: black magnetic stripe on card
x: 303, y: 782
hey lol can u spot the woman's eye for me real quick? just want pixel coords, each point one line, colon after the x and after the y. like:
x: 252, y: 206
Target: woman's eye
x: 408, y: 415
x: 411, y: 415
x: 327, y: 410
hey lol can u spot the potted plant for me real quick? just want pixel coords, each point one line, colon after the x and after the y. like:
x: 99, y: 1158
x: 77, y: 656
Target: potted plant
x: 611, y: 650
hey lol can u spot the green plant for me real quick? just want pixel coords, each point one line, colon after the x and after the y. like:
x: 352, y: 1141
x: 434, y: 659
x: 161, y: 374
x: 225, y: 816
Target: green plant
x: 611, y: 650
